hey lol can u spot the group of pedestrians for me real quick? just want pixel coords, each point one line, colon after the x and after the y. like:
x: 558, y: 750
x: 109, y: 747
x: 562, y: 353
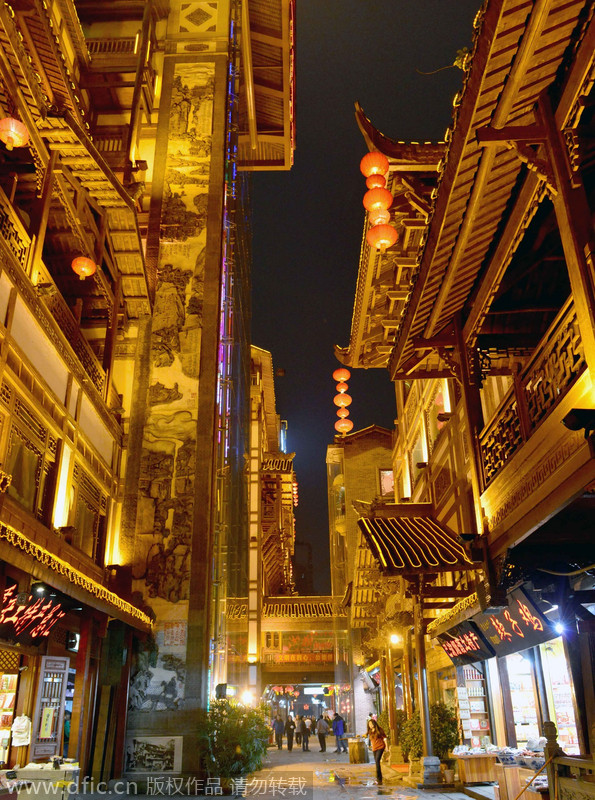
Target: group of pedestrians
x: 303, y: 727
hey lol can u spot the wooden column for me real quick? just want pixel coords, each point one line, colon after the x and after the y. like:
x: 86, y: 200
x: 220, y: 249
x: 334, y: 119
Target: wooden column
x: 39, y: 220
x: 383, y: 682
x: 407, y: 673
x: 574, y: 223
x: 135, y: 111
x: 80, y: 711
x: 422, y: 678
x: 390, y: 697
x: 110, y: 340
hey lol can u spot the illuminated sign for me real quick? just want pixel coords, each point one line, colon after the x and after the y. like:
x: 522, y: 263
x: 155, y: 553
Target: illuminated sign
x: 464, y: 644
x: 518, y: 627
x: 27, y: 616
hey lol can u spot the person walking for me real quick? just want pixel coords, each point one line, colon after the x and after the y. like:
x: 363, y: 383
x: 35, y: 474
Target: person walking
x: 289, y: 729
x: 304, y: 731
x: 377, y: 739
x: 278, y: 729
x: 339, y: 731
x: 298, y: 733
x: 322, y: 730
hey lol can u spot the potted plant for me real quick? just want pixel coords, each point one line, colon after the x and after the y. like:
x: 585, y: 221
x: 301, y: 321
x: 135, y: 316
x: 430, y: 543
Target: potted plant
x: 412, y: 744
x: 234, y: 740
x: 445, y: 736
x: 444, y: 730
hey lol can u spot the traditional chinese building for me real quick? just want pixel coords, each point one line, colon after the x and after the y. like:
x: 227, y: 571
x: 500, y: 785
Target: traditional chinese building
x: 490, y: 348
x: 128, y: 130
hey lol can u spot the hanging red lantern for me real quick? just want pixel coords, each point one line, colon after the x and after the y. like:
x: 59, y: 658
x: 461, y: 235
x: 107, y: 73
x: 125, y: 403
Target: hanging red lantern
x: 341, y: 374
x: 378, y: 216
x: 377, y: 198
x: 381, y: 237
x: 342, y: 400
x: 343, y: 425
x: 342, y: 412
x: 374, y: 163
x: 13, y: 132
x: 84, y: 266
x: 376, y: 182
x: 342, y: 387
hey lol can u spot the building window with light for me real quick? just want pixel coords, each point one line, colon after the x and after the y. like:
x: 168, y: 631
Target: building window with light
x: 387, y: 482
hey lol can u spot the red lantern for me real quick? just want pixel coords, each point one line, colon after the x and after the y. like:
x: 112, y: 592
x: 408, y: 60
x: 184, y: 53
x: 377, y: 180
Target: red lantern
x: 341, y: 374
x: 377, y: 198
x: 84, y: 267
x: 13, y: 132
x: 342, y: 400
x: 343, y: 425
x: 342, y: 412
x: 376, y: 182
x: 342, y: 387
x: 381, y: 237
x: 374, y: 163
x: 378, y: 216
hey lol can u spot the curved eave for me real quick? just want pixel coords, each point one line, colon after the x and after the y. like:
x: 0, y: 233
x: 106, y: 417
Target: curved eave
x: 508, y: 75
x: 416, y: 156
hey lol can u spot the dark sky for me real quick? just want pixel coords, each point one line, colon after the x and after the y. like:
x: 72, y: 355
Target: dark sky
x: 308, y: 222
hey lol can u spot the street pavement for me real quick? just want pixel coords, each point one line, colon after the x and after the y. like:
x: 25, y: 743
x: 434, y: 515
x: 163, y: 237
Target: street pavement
x: 295, y: 775
x: 299, y: 775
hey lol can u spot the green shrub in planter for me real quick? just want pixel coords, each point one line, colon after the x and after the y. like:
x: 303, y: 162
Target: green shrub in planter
x: 444, y: 729
x: 234, y: 739
x: 411, y: 740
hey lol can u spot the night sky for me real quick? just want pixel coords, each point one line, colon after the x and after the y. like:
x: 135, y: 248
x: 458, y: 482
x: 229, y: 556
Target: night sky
x: 308, y: 223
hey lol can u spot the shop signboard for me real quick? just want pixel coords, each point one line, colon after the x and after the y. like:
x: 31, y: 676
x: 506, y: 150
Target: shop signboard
x: 27, y: 619
x: 465, y: 644
x: 516, y: 628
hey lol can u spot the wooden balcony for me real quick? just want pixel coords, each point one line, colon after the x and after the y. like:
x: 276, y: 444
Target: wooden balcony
x: 50, y: 307
x: 556, y: 364
x: 533, y: 466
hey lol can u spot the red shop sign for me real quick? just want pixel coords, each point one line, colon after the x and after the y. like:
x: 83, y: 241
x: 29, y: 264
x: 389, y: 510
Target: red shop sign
x: 32, y: 619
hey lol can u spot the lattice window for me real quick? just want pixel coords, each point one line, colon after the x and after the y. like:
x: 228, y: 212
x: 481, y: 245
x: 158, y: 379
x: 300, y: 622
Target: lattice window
x: 30, y: 420
x: 5, y: 394
x: 501, y: 441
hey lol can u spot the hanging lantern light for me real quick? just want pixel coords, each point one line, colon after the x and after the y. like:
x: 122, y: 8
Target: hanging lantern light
x: 342, y: 400
x: 13, y: 132
x: 84, y: 266
x: 376, y: 182
x: 343, y: 425
x: 341, y: 374
x: 377, y: 198
x: 342, y: 412
x: 374, y: 163
x: 381, y: 237
x: 342, y: 387
x: 378, y: 216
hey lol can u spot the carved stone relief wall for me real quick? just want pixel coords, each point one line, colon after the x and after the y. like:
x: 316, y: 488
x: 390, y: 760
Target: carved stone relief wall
x: 166, y: 490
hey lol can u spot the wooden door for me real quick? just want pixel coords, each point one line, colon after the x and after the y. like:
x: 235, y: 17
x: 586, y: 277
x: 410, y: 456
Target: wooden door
x: 48, y: 717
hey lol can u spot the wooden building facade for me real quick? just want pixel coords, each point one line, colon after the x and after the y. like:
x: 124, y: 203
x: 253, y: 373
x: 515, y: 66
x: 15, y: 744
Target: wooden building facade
x: 489, y: 341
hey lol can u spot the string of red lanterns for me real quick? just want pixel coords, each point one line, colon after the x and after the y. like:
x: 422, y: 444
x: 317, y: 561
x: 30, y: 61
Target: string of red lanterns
x: 342, y: 400
x: 377, y: 201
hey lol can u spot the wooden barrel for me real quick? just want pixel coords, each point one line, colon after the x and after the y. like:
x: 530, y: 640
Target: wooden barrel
x: 358, y: 752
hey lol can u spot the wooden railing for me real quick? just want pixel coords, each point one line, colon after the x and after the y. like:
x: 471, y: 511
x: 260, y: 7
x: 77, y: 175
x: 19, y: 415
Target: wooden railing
x: 546, y: 378
x: 569, y: 777
x: 111, y: 47
x: 59, y: 315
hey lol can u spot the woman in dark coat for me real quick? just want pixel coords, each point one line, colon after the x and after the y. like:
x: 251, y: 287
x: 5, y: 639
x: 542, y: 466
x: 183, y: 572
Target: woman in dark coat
x: 289, y: 729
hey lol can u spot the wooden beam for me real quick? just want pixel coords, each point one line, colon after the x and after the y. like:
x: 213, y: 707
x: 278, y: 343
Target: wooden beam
x: 445, y: 591
x: 510, y: 133
x: 574, y: 223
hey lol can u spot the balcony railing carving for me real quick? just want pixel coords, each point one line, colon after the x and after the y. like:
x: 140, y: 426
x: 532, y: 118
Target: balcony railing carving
x: 556, y: 364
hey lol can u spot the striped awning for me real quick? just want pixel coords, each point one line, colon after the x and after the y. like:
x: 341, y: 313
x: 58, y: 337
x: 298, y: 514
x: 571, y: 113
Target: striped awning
x: 413, y: 545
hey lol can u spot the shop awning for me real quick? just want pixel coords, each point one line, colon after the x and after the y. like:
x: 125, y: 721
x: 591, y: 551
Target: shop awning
x: 413, y: 544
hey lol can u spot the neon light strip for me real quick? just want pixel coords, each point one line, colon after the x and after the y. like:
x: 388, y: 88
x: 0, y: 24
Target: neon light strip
x: 64, y: 569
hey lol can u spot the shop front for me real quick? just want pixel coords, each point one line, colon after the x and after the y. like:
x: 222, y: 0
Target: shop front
x: 512, y: 667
